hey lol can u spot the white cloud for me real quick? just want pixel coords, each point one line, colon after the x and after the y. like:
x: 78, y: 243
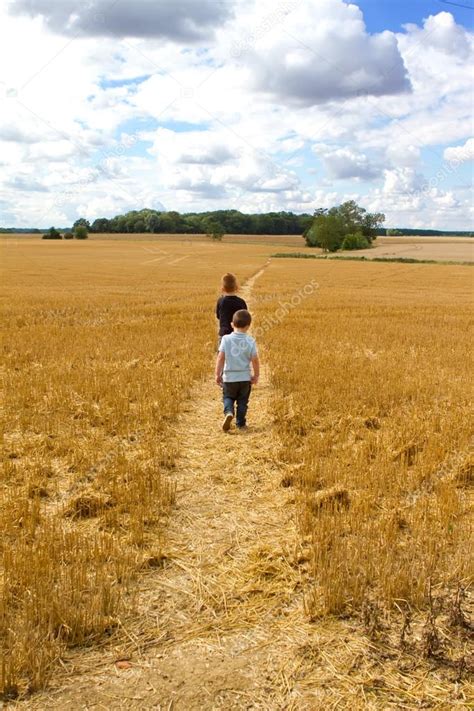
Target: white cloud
x: 51, y: 151
x: 406, y: 195
x: 402, y: 181
x: 440, y: 32
x: 325, y: 53
x: 345, y: 163
x: 460, y: 154
x: 402, y: 153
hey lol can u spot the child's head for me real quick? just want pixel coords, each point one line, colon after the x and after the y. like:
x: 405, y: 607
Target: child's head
x: 229, y: 283
x: 242, y: 320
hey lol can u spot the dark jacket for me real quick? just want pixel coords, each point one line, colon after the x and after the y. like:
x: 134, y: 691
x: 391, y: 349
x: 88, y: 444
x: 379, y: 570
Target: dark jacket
x: 225, y: 310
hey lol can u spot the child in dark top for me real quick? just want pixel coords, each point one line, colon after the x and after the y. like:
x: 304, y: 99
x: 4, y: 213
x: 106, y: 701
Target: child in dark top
x: 228, y: 304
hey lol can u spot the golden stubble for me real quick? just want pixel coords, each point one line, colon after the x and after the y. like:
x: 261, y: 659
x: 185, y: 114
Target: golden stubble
x: 102, y: 344
x: 372, y: 377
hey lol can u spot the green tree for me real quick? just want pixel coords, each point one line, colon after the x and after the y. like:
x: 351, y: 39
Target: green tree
x: 52, y: 233
x: 357, y: 219
x: 355, y: 241
x: 101, y: 224
x: 119, y: 223
x: 81, y: 222
x: 81, y: 232
x: 152, y: 221
x: 214, y: 230
x: 68, y: 235
x: 346, y: 219
x: 311, y: 232
x: 327, y: 232
x: 173, y: 223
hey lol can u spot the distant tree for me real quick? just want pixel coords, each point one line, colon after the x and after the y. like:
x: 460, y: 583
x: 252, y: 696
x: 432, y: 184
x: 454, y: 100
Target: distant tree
x: 357, y: 219
x: 214, y: 230
x: 52, y: 233
x: 310, y: 233
x: 355, y: 240
x: 330, y: 227
x: 81, y: 232
x: 81, y: 221
x: 265, y: 224
x: 101, y: 224
x: 394, y: 233
x: 172, y: 223
x: 118, y: 224
x: 152, y: 222
x: 68, y: 235
x: 139, y: 226
x: 329, y: 232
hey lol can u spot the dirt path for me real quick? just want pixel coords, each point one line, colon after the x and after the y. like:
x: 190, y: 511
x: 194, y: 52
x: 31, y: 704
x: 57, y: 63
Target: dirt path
x: 227, y: 606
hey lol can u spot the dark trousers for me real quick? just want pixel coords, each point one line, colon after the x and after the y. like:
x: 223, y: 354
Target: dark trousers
x: 237, y: 393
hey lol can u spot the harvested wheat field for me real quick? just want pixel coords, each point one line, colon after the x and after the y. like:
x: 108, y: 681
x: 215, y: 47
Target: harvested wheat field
x: 447, y: 249
x: 320, y: 559
x: 443, y: 249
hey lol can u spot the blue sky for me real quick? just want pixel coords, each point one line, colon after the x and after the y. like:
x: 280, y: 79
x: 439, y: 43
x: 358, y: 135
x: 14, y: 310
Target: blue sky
x: 393, y: 14
x: 250, y: 105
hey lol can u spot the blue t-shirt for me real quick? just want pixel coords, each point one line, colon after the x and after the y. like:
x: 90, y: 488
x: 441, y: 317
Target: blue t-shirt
x: 239, y: 349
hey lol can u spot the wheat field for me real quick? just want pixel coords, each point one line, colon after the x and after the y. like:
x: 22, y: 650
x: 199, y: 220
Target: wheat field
x: 101, y: 347
x: 367, y: 402
x: 373, y: 400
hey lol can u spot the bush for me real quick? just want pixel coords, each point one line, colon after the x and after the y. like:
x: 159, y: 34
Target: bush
x: 68, y: 235
x: 214, y: 229
x: 217, y: 236
x: 52, y: 233
x: 355, y: 241
x: 80, y: 232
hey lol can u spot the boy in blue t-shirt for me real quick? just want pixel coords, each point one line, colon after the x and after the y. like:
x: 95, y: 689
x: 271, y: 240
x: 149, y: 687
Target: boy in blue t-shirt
x: 237, y: 353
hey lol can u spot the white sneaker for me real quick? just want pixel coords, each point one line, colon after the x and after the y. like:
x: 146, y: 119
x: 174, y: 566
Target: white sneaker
x: 227, y: 420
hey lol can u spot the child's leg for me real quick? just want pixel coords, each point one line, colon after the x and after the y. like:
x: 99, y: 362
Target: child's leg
x: 229, y: 396
x: 243, y: 396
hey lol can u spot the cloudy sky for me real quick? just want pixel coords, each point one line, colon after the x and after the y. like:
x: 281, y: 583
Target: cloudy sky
x: 257, y: 105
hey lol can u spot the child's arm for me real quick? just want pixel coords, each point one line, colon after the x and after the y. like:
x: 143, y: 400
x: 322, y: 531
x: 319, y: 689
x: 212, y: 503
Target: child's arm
x: 256, y: 370
x: 220, y: 367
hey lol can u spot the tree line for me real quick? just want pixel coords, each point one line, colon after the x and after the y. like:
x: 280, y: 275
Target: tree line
x: 217, y: 221
x: 347, y: 226
x: 329, y: 226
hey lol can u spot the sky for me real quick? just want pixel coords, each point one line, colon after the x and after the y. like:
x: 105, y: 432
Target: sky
x: 256, y: 105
